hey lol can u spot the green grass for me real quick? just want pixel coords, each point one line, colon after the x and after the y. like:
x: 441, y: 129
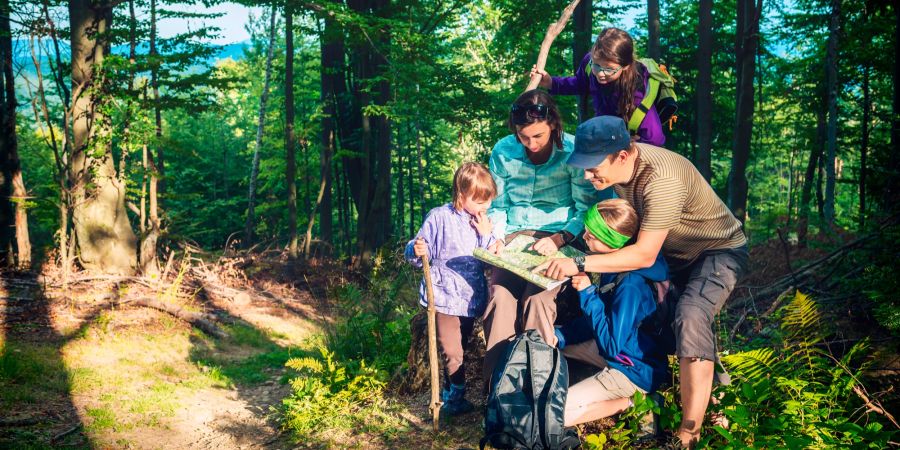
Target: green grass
x: 101, y: 419
x: 258, y: 357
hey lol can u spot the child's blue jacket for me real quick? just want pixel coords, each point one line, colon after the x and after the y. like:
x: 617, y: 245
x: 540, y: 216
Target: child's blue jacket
x: 614, y: 320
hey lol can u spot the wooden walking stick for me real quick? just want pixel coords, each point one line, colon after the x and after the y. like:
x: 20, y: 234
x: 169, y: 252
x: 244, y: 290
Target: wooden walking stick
x: 432, y: 347
x: 552, y: 32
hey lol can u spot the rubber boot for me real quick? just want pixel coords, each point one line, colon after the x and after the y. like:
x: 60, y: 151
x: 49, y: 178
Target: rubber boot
x: 455, y: 402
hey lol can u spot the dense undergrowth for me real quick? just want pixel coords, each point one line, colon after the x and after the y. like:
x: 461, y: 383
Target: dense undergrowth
x: 343, y: 386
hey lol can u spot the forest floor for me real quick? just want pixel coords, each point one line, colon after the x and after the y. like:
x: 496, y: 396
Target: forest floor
x: 87, y: 367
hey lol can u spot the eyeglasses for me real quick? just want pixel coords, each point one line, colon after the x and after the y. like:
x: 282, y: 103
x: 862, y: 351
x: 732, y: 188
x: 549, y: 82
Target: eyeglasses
x: 522, y: 113
x: 605, y: 71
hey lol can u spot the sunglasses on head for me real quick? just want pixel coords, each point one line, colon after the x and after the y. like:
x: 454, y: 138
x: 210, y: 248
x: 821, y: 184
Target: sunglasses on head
x: 522, y: 113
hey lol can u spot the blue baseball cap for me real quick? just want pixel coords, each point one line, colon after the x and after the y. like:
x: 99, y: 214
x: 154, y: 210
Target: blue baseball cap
x: 596, y: 138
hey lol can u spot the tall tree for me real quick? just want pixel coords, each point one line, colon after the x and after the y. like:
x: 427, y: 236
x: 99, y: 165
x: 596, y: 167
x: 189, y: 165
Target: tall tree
x: 582, y: 22
x: 746, y: 42
x: 263, y: 99
x: 831, y: 86
x: 703, y: 157
x: 290, y: 170
x: 653, y: 29
x: 332, y: 78
x: 892, y: 191
x: 106, y: 241
x: 159, y: 162
x: 369, y: 174
x: 12, y: 185
x: 864, y: 147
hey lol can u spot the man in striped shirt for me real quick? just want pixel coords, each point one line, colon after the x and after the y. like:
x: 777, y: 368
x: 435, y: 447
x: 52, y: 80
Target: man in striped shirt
x: 681, y: 215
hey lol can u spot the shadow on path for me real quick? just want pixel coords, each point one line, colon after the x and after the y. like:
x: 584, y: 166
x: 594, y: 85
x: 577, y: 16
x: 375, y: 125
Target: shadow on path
x: 35, y: 384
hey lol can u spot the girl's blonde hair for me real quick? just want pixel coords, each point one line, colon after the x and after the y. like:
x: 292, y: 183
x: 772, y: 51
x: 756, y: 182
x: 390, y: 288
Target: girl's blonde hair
x: 619, y: 215
x: 472, y: 180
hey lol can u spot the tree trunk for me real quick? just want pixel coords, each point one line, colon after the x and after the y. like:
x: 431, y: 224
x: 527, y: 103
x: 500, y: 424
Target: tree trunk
x: 289, y: 147
x: 12, y: 187
x: 582, y: 20
x: 806, y: 194
x: 703, y: 157
x: 401, y: 192
x: 254, y: 171
x: 864, y: 148
x: 832, y: 93
x: 370, y: 174
x: 105, y: 239
x: 746, y: 40
x: 332, y: 54
x: 892, y: 186
x: 159, y: 161
x: 410, y: 170
x: 653, y: 29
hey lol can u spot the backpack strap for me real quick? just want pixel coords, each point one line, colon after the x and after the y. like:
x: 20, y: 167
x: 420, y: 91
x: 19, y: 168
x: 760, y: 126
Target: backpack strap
x: 637, y: 117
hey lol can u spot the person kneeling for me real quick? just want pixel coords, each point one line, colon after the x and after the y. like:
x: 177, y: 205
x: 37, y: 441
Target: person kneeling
x: 616, y: 332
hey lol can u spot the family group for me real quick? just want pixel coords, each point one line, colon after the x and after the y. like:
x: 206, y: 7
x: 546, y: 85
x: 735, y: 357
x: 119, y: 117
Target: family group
x: 644, y: 216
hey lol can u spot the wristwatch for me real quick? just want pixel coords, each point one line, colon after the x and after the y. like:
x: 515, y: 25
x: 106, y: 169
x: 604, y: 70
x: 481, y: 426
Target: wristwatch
x: 579, y: 263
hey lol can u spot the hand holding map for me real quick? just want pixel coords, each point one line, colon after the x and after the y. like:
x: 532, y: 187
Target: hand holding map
x: 518, y: 258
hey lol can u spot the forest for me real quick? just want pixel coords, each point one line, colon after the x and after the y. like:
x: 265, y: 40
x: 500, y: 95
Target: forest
x: 201, y: 244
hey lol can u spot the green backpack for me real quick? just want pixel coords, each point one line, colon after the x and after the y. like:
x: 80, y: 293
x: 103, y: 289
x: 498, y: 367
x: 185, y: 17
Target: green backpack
x: 660, y: 90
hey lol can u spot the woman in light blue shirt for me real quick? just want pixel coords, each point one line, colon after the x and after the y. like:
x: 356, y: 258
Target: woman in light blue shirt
x: 539, y: 195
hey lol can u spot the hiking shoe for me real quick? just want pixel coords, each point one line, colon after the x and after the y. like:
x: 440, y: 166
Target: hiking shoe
x: 455, y: 402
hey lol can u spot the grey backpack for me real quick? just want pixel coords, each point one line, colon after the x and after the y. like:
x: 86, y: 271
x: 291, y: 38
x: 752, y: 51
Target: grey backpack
x: 528, y: 398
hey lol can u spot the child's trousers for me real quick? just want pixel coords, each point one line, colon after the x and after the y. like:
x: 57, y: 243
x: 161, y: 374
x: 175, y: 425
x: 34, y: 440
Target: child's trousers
x: 453, y: 336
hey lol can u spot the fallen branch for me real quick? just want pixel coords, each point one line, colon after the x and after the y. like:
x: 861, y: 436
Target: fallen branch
x: 199, y: 320
x: 874, y: 406
x: 552, y: 32
x: 65, y: 433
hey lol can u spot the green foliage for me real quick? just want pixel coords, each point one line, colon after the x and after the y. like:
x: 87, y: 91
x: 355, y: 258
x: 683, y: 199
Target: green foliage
x: 627, y: 431
x: 796, y: 394
x: 343, y: 386
x: 376, y: 328
x: 328, y: 394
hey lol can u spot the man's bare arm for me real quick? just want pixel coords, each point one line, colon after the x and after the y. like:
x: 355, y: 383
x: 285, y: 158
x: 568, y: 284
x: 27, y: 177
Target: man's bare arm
x: 639, y: 255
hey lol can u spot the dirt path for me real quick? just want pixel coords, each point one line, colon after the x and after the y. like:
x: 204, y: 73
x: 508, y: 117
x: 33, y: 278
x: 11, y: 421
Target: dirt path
x: 131, y: 377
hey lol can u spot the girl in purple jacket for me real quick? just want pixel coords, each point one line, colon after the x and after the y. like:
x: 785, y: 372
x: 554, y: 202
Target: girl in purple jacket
x: 448, y: 237
x: 617, y: 83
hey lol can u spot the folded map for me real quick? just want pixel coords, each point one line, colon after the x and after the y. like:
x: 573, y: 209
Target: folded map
x: 518, y: 258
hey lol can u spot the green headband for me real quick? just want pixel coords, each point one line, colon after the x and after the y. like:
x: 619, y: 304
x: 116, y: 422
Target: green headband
x: 594, y: 223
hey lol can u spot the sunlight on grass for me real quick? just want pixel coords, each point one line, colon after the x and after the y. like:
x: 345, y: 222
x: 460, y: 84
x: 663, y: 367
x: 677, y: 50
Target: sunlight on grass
x: 125, y: 377
x: 101, y: 419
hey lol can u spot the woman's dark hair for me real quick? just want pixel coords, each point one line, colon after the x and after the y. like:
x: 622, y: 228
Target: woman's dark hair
x: 522, y: 118
x: 616, y: 46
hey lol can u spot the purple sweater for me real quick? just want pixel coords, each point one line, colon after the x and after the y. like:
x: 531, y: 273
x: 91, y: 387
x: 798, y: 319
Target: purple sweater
x: 606, y: 99
x: 460, y: 288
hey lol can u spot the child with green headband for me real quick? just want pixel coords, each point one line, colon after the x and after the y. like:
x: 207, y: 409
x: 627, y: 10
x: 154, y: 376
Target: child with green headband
x: 612, y: 334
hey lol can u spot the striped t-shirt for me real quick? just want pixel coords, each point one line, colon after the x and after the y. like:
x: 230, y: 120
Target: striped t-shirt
x: 669, y: 193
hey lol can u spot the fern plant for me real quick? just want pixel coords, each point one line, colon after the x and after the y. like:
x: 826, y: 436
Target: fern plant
x: 796, y: 394
x: 329, y: 394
